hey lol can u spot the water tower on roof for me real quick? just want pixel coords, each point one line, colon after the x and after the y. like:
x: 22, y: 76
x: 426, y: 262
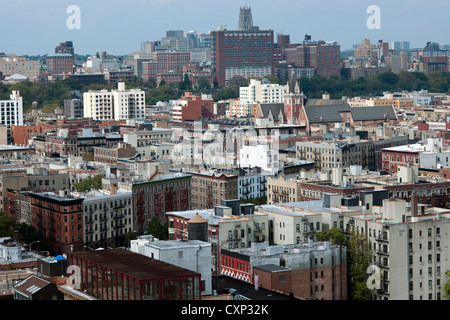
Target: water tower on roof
x: 198, y: 228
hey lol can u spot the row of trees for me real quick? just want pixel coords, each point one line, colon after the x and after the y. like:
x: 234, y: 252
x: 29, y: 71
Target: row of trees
x: 338, y: 87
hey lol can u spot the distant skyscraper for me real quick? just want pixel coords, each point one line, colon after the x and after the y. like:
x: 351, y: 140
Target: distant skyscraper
x: 400, y: 45
x: 245, y: 19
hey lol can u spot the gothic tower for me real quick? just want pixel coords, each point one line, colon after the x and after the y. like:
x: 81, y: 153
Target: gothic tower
x: 245, y: 19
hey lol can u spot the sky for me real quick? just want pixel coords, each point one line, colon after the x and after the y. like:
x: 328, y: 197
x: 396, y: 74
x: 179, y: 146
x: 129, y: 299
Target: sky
x: 30, y: 27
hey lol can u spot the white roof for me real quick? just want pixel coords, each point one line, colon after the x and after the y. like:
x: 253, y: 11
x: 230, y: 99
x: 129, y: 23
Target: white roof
x: 16, y: 77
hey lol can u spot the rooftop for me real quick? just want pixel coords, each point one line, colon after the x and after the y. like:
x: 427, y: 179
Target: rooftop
x: 133, y: 264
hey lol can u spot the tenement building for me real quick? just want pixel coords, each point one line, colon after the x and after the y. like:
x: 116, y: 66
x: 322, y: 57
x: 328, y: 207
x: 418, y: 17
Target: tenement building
x: 311, y: 271
x: 409, y: 249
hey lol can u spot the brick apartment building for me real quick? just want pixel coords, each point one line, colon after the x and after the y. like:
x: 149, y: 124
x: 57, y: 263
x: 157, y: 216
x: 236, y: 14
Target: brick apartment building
x: 311, y: 271
x: 209, y: 189
x: 59, y: 219
x: 110, y: 155
x: 60, y: 63
x: 163, y: 192
x: 165, y: 63
x: 190, y: 107
x: 322, y: 56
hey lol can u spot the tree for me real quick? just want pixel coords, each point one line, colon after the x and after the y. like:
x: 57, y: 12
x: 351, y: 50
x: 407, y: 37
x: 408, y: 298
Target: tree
x: 6, y: 225
x: 272, y: 79
x: 447, y: 285
x: 359, y: 253
x: 237, y: 81
x: 89, y: 183
x: 203, y: 84
x: 333, y: 235
x: 157, y: 229
x: 131, y: 235
x: 256, y: 201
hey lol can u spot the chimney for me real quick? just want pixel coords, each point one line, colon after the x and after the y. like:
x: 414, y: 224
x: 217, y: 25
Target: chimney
x: 414, y: 206
x: 113, y: 189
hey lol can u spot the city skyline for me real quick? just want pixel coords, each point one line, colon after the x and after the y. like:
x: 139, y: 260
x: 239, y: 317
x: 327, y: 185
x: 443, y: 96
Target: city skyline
x: 119, y: 27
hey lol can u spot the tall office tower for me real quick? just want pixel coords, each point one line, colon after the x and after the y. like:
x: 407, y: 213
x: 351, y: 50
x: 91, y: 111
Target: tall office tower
x: 241, y: 53
x: 245, y: 19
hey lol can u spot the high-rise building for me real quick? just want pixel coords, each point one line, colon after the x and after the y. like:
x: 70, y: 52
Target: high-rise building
x: 120, y: 104
x: 400, y: 45
x: 164, y: 63
x: 324, y: 57
x: 11, y: 112
x: 241, y: 53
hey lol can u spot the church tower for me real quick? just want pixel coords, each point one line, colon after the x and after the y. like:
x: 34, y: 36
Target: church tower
x: 245, y: 19
x: 293, y: 100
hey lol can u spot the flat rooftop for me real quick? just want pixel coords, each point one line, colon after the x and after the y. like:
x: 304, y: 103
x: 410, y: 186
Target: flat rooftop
x: 134, y: 265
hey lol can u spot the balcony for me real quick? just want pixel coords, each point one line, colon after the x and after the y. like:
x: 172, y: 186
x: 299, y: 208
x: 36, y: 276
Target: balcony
x: 381, y: 239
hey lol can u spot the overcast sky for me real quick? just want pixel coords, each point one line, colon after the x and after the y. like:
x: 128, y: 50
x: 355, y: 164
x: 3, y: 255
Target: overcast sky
x: 119, y: 26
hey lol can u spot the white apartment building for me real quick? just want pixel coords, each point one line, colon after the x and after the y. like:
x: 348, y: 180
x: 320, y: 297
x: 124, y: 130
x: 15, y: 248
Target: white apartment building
x: 11, y: 112
x: 128, y: 104
x: 107, y: 217
x: 253, y: 185
x: 120, y: 104
x: 410, y: 248
x: 260, y: 156
x: 147, y: 138
x: 194, y: 255
x: 257, y: 92
x: 96, y: 64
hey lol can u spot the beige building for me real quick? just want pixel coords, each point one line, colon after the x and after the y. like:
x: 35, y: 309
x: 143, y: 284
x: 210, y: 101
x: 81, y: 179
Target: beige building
x: 34, y: 179
x: 110, y: 155
x: 280, y: 190
x: 139, y: 139
x: 240, y: 231
x: 410, y: 249
x: 12, y: 64
x: 342, y: 153
x: 394, y: 63
x: 209, y: 189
